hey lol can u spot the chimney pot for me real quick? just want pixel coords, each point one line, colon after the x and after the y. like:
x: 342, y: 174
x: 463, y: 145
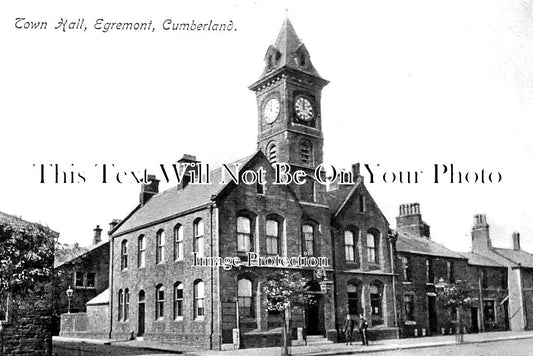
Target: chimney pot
x: 356, y: 170
x: 516, y: 240
x: 149, y: 189
x: 97, y: 235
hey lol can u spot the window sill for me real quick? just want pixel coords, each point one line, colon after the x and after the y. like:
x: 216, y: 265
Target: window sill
x: 159, y: 319
x: 141, y: 267
x: 407, y: 282
x: 179, y: 260
x: 199, y: 318
x: 178, y: 319
x: 160, y: 263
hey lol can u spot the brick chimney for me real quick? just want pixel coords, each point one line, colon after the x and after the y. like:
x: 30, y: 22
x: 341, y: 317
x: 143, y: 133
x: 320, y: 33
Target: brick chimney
x: 97, y: 235
x: 112, y: 224
x: 516, y: 240
x: 192, y: 166
x: 409, y: 221
x: 480, y: 234
x: 149, y: 190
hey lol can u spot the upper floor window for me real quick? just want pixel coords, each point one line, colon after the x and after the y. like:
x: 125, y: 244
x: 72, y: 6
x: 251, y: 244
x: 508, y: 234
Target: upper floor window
x: 306, y: 152
x: 159, y: 302
x: 484, y: 278
x: 79, y: 280
x: 124, y: 255
x: 199, y: 310
x: 406, y: 269
x: 429, y: 271
x: 272, y: 237
x: 362, y: 203
x: 350, y: 245
x: 91, y: 280
x: 372, y: 244
x: 178, y: 242
x: 126, y: 304
x: 160, y: 247
x: 450, y: 270
x: 199, y: 237
x: 309, y: 239
x: 244, y: 294
x: 244, y: 234
x: 141, y: 251
x: 178, y: 300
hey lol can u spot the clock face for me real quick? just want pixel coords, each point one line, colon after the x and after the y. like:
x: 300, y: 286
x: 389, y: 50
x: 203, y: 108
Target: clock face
x: 271, y: 110
x: 304, y: 109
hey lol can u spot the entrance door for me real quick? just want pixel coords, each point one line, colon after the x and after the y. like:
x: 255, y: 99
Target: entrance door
x: 140, y: 330
x: 432, y: 315
x: 506, y: 314
x: 475, y: 324
x: 313, y: 319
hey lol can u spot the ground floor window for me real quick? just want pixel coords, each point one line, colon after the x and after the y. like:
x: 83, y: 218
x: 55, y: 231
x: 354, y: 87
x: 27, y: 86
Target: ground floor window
x: 353, y: 300
x: 409, y: 306
x: 488, y: 311
x: 375, y: 303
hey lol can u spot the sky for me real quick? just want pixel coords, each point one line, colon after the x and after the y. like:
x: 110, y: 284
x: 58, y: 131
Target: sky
x: 412, y: 84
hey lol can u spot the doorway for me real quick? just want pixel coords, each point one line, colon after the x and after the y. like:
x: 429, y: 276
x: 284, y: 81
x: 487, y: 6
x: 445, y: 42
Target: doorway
x: 312, y: 312
x: 141, y: 314
x: 475, y: 323
x: 506, y: 315
x: 432, y: 315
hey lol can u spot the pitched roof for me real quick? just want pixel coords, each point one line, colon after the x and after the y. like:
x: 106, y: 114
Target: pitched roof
x: 102, y: 298
x: 339, y: 197
x: 175, y: 201
x: 521, y: 257
x: 409, y: 243
x: 476, y: 259
x: 82, y: 252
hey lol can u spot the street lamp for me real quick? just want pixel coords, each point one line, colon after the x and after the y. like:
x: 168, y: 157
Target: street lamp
x: 70, y: 292
x: 440, y: 284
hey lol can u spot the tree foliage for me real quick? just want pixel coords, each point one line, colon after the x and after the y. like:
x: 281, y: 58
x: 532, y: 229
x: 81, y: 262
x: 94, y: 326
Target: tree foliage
x: 456, y: 295
x: 285, y: 289
x: 26, y: 254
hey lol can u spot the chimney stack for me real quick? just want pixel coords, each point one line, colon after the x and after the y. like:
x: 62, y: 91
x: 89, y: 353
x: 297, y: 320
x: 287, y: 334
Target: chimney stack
x: 97, y: 235
x: 192, y: 166
x: 480, y: 234
x: 112, y: 225
x: 409, y: 221
x: 516, y: 241
x: 149, y: 190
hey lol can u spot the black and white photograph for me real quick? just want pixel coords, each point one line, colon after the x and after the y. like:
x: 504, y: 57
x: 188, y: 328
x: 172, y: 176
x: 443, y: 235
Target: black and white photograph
x: 280, y: 177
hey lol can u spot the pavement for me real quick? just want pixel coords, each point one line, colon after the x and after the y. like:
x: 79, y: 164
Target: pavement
x: 316, y: 350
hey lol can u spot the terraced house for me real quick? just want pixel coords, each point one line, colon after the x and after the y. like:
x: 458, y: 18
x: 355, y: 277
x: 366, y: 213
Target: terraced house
x: 159, y: 290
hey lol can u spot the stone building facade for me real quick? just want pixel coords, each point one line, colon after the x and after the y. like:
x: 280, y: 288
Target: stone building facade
x: 161, y: 291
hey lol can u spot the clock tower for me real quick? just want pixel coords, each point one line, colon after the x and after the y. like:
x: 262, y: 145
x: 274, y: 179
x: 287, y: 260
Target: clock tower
x: 288, y: 100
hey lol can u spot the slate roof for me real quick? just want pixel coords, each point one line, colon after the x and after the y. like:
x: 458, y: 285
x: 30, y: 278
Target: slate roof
x: 423, y: 246
x: 336, y: 198
x: 521, y: 257
x: 479, y: 260
x: 83, y: 251
x: 174, y: 201
x: 102, y: 298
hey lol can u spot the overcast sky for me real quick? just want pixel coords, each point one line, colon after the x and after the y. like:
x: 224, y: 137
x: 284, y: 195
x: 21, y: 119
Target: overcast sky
x: 412, y: 84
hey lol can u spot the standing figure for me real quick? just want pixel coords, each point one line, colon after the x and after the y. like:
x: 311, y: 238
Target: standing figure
x: 363, y: 326
x: 349, y: 324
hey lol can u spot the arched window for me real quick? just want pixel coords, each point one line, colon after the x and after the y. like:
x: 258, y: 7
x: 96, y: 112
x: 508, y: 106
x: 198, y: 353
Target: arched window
x: 306, y: 152
x: 353, y: 299
x: 124, y: 255
x: 375, y: 303
x: 199, y: 310
x: 141, y: 251
x: 244, y: 294
x: 198, y: 229
x: 142, y: 296
x: 159, y: 302
x: 160, y: 246
x: 350, y: 244
x: 178, y: 242
x: 126, y: 304
x: 308, y: 232
x: 406, y: 268
x: 120, y: 304
x: 272, y: 152
x: 244, y: 234
x: 178, y: 300
x: 273, y: 237
x: 372, y: 246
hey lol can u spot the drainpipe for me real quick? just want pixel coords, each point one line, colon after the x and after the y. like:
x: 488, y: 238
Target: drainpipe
x: 482, y: 317
x: 334, y: 267
x: 392, y: 238
x: 111, y: 251
x: 212, y: 273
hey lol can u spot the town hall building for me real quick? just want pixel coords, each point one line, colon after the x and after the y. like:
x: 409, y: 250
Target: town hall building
x: 158, y: 291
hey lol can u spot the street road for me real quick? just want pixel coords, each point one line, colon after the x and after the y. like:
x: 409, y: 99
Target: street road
x: 501, y: 348
x: 84, y: 349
